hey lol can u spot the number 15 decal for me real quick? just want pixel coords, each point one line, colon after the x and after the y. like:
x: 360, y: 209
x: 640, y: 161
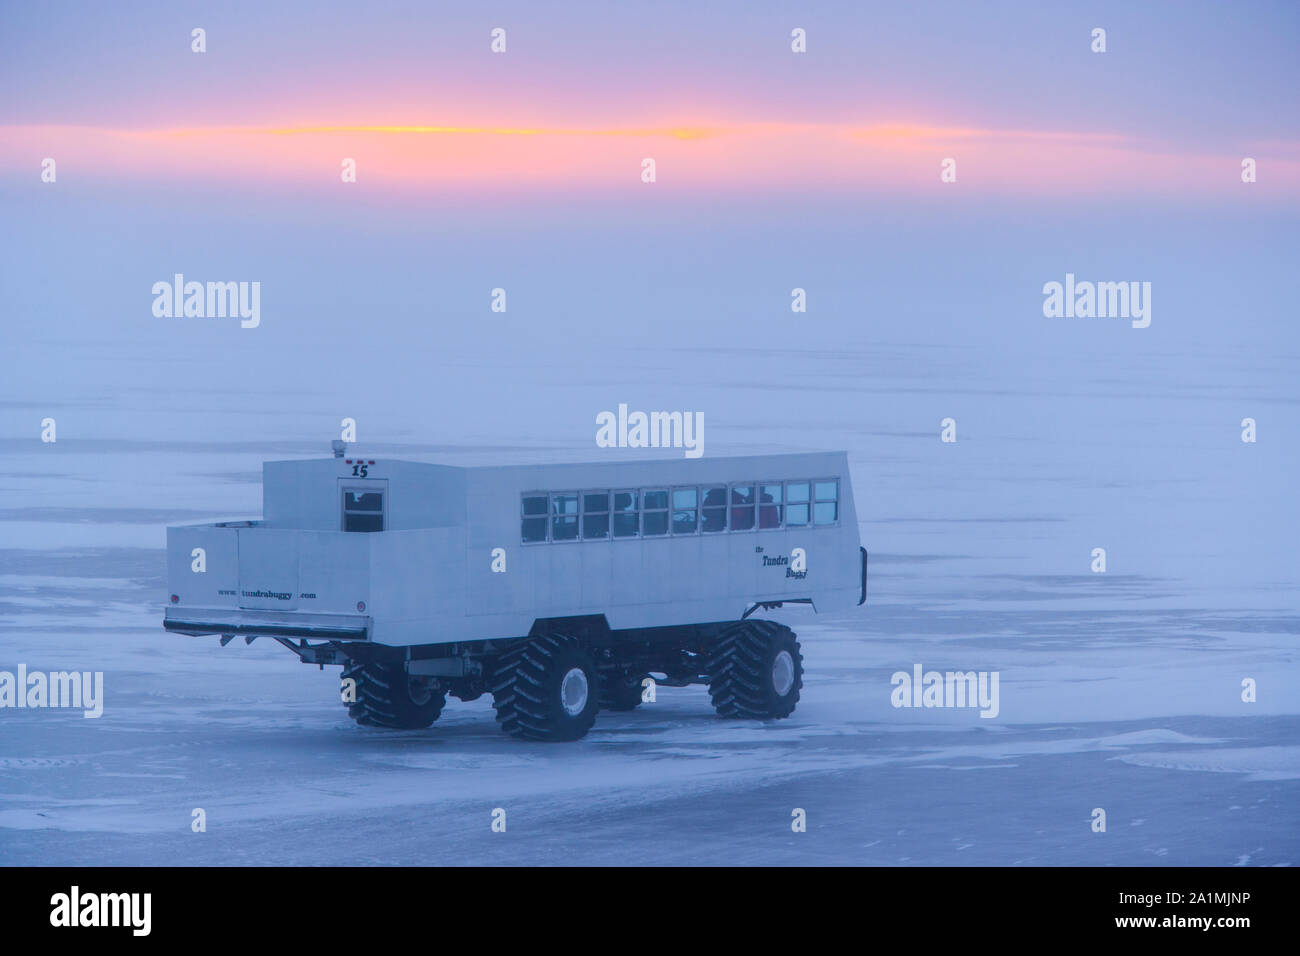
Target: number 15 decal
x: 359, y: 471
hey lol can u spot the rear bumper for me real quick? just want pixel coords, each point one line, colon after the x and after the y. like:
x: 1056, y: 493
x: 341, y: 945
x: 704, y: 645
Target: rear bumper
x: 201, y: 621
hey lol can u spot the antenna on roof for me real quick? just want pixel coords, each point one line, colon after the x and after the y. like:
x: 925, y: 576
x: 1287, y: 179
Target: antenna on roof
x: 339, y: 447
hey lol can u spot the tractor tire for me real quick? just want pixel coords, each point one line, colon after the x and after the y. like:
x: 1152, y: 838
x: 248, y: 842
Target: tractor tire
x: 386, y: 696
x: 755, y: 671
x: 546, y: 689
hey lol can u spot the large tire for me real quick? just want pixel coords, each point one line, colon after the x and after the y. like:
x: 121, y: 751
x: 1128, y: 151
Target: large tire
x: 389, y: 697
x: 620, y: 689
x: 755, y: 670
x: 546, y: 688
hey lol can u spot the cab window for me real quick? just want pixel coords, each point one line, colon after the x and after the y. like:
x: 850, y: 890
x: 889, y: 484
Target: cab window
x: 363, y: 509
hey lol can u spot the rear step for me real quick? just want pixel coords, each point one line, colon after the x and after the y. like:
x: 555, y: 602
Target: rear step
x: 237, y: 623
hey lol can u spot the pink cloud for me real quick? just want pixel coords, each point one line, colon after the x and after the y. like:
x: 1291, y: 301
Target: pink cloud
x: 866, y: 159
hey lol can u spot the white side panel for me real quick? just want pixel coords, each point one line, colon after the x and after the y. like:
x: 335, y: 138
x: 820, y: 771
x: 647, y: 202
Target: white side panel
x: 218, y: 585
x: 417, y: 585
x: 268, y: 569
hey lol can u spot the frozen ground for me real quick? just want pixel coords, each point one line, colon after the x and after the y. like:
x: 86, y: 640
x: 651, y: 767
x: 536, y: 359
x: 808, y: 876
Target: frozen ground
x: 1120, y: 691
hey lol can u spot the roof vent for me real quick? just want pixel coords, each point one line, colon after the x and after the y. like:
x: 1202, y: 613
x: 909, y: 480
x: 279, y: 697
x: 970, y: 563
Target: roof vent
x: 339, y: 447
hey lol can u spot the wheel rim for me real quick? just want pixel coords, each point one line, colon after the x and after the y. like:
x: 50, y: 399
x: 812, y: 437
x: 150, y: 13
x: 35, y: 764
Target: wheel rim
x: 418, y: 691
x: 573, y: 691
x: 782, y: 673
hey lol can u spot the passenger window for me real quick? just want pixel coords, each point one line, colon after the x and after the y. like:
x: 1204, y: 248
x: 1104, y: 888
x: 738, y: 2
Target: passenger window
x: 654, y: 512
x: 714, y: 512
x: 797, y: 510
x: 742, y: 507
x: 363, y: 510
x: 685, y: 501
x: 600, y: 515
x: 626, y: 519
x: 595, y: 514
x: 533, y: 519
x: 564, y: 517
x: 826, y: 508
x: 770, y: 503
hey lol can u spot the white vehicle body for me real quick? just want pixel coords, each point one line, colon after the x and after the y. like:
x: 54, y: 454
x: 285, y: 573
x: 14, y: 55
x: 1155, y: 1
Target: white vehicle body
x: 450, y: 563
x: 559, y: 589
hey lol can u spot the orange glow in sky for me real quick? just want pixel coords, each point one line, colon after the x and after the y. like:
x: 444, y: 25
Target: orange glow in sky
x: 714, y: 156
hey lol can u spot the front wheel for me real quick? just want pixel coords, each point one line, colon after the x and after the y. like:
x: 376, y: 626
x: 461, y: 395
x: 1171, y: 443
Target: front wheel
x: 755, y: 670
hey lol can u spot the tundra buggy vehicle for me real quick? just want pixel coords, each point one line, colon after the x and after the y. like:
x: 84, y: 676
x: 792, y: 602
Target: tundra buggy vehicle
x: 558, y: 589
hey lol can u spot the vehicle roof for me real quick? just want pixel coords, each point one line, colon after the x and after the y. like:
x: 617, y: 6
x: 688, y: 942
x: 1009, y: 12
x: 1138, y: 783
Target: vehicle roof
x: 534, y: 458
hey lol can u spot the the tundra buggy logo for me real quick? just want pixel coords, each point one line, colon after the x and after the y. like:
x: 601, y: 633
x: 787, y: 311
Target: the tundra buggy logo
x: 278, y: 595
x: 796, y: 565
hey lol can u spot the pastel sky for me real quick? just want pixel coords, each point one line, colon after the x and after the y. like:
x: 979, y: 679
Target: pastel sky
x: 712, y: 92
x: 522, y: 171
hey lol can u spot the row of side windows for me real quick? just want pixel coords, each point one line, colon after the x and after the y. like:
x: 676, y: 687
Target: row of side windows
x: 655, y: 512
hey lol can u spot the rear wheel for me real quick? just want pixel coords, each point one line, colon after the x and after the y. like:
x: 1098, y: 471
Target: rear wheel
x: 755, y: 670
x: 386, y: 696
x: 546, y: 688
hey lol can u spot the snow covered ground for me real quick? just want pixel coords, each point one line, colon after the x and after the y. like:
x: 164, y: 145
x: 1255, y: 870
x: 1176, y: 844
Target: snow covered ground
x: 1120, y: 691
